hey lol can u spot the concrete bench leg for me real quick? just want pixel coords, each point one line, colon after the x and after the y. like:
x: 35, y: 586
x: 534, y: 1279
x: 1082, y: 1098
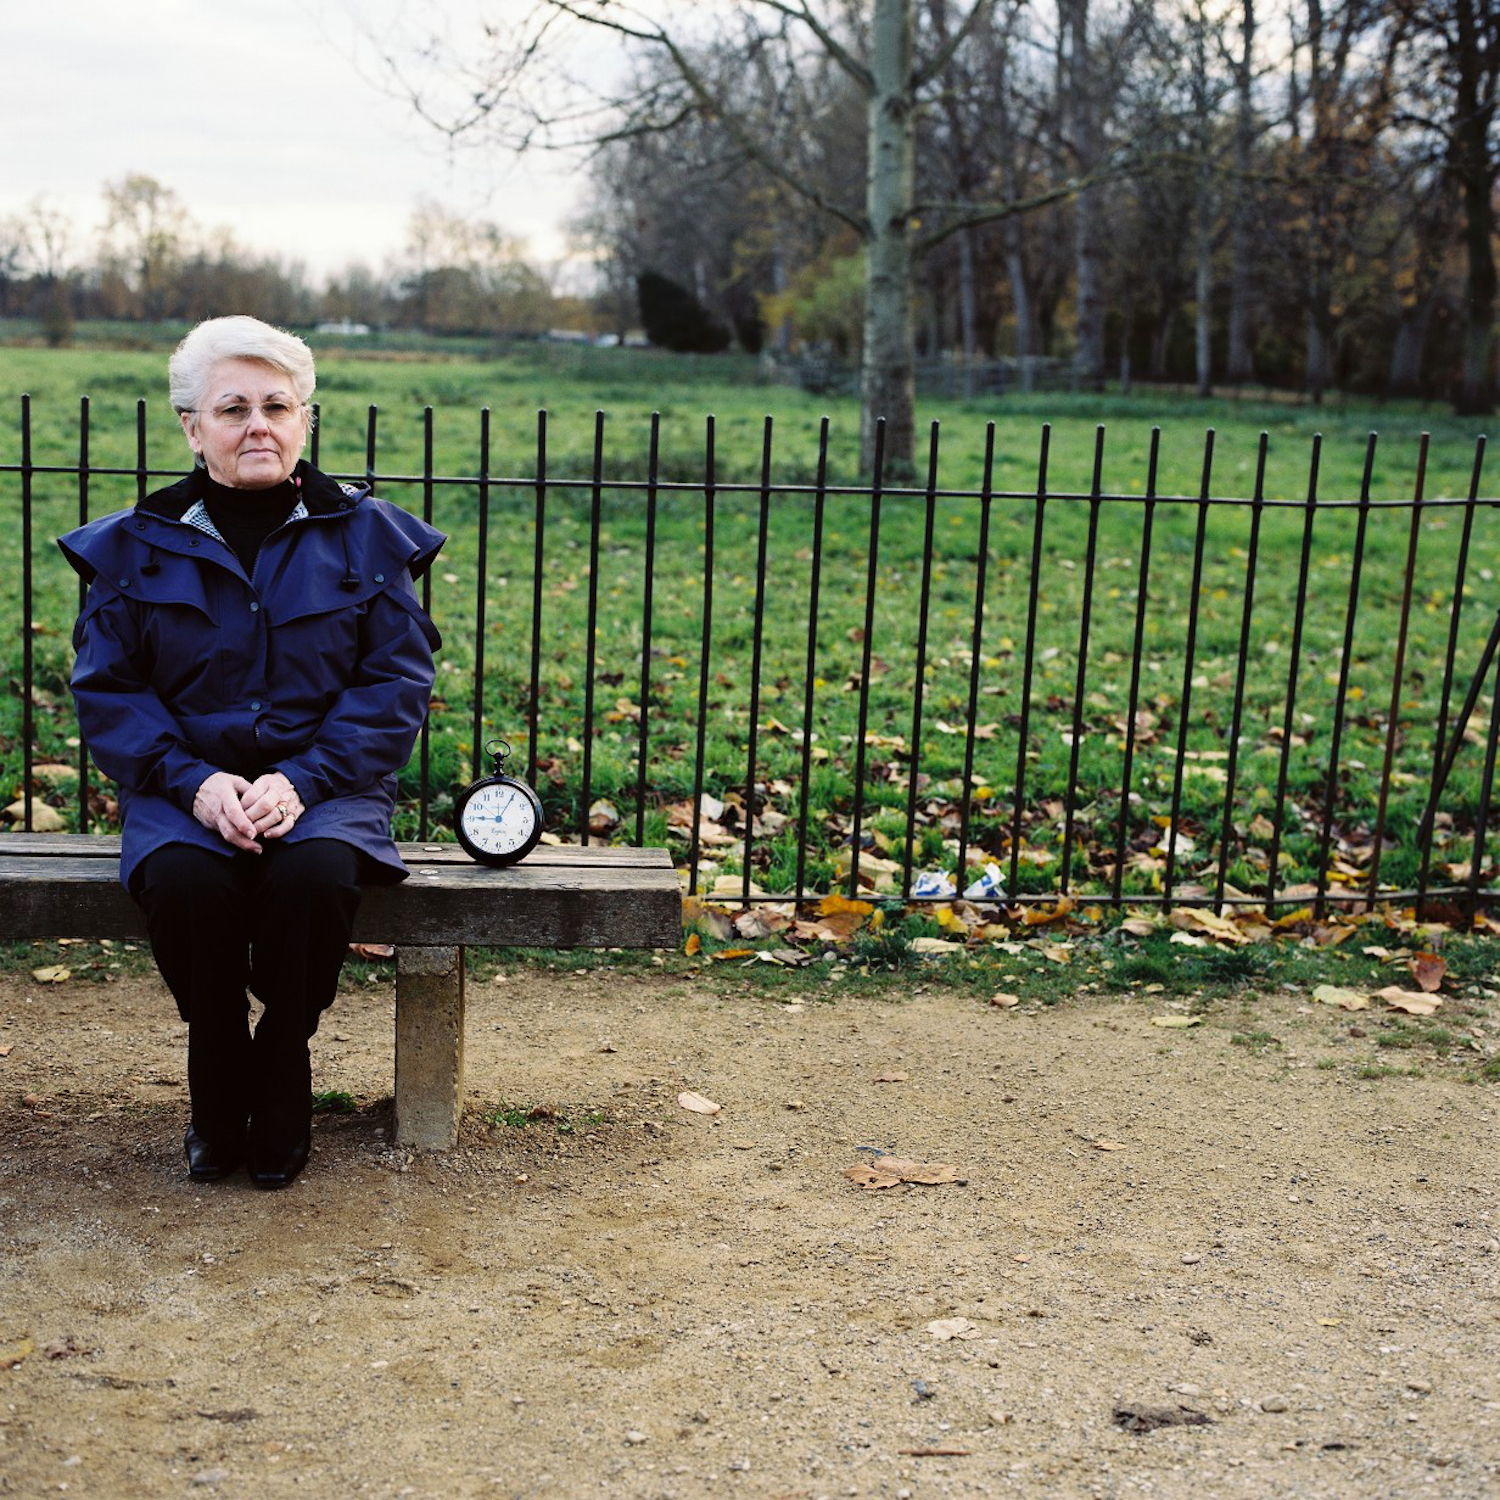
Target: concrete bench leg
x: 429, y: 1046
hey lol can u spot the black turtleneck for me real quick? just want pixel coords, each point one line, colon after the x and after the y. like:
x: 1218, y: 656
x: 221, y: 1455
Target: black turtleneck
x: 245, y: 518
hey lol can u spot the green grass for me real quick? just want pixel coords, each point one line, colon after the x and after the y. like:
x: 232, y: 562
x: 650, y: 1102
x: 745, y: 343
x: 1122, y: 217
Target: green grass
x: 563, y: 1121
x: 1255, y: 1041
x: 571, y: 386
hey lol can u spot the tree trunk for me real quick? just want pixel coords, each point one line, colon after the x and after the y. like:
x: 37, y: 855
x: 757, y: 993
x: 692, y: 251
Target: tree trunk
x: 1317, y: 354
x: 1205, y: 291
x: 1238, y: 365
x: 968, y: 307
x: 1471, y: 163
x: 1409, y: 349
x: 887, y: 383
x: 1088, y: 219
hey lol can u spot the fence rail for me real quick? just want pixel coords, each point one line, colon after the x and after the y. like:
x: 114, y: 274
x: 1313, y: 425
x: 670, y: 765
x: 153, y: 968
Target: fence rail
x: 916, y: 689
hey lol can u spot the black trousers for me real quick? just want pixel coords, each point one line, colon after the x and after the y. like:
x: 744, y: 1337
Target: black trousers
x: 275, y: 925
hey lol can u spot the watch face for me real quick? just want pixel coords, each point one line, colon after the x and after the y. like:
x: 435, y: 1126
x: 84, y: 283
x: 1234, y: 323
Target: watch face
x: 500, y: 820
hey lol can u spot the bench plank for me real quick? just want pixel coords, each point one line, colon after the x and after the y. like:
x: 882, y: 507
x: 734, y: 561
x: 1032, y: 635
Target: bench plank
x: 560, y: 896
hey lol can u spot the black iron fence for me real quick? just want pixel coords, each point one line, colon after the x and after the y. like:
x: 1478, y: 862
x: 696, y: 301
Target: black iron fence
x: 926, y: 690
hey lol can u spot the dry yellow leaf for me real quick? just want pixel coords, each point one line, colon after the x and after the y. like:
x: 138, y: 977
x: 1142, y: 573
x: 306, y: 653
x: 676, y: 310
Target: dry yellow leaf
x: 693, y: 944
x: 1057, y: 953
x: 1337, y: 994
x: 1192, y: 920
x: 1177, y: 1023
x: 698, y: 1104
x: 837, y: 905
x: 1004, y: 1000
x: 940, y: 947
x: 52, y: 974
x: 1038, y: 916
x: 1109, y: 1145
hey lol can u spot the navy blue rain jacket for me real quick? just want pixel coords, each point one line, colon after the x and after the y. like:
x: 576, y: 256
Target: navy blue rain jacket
x: 319, y: 665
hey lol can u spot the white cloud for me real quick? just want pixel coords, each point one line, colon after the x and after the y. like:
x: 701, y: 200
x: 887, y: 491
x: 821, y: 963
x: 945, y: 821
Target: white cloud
x: 256, y: 117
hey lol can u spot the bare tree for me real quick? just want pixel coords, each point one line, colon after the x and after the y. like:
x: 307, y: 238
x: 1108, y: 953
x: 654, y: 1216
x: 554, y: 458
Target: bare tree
x: 144, y: 235
x: 1456, y: 54
x: 1239, y: 365
x: 508, y: 94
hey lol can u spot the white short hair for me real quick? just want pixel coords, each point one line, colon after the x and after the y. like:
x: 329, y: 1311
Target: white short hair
x: 235, y: 338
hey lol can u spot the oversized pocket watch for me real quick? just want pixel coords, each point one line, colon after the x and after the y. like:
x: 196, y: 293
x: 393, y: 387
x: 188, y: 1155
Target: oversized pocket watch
x: 498, y: 818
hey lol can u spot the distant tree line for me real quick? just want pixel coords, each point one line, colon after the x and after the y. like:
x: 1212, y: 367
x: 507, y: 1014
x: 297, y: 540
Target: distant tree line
x: 148, y: 260
x: 1197, y: 191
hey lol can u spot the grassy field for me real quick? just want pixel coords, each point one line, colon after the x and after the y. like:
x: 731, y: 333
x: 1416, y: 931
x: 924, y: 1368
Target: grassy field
x: 1071, y: 800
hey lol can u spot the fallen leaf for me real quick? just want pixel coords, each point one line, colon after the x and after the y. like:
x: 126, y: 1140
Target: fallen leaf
x: 935, y: 946
x: 698, y: 1104
x: 52, y: 974
x: 868, y: 1178
x: 839, y: 905
x: 1337, y: 994
x: 1149, y: 1418
x: 892, y: 1077
x: 1192, y: 920
x: 724, y: 953
x: 758, y: 923
x: 1004, y: 1000
x: 5, y: 1050
x: 1428, y: 970
x: 693, y: 944
x: 1037, y: 916
x: 927, y: 1172
x: 1413, y: 1002
x: 1056, y: 953
x: 943, y: 1329
x: 1111, y: 1145
x: 44, y: 817
x: 1138, y: 926
x: 1177, y: 1023
x: 888, y: 1171
x: 372, y: 950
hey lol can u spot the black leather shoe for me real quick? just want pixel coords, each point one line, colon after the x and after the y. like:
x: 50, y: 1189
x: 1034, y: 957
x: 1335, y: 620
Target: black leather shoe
x: 267, y: 1171
x: 209, y: 1161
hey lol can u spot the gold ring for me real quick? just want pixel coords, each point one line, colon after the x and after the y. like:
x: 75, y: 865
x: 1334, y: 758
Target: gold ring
x: 281, y: 810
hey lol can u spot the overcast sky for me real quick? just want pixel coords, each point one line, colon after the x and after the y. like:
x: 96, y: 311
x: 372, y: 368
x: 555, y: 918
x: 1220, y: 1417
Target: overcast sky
x: 257, y: 116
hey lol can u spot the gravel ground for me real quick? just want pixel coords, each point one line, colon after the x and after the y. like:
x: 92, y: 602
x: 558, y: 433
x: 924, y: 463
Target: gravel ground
x: 1173, y: 1265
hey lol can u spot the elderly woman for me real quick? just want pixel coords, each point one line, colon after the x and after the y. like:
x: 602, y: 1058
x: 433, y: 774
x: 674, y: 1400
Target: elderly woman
x: 253, y: 666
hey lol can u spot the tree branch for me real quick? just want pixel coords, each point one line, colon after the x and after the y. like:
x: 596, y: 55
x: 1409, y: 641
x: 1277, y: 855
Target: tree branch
x: 935, y: 65
x: 826, y: 39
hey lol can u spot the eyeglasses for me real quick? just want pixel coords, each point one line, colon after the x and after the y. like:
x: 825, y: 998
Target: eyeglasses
x: 239, y: 413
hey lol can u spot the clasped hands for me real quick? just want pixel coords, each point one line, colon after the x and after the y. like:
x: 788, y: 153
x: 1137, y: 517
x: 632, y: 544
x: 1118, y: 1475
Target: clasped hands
x: 241, y: 812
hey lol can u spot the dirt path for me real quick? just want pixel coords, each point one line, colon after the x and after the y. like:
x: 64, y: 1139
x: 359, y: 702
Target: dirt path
x: 648, y: 1302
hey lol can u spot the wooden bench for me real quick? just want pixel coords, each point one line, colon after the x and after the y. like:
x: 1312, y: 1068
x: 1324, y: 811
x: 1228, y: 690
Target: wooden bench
x: 67, y: 885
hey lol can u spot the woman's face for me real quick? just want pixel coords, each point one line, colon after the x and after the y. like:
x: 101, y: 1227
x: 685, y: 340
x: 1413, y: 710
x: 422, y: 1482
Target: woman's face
x: 251, y: 426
